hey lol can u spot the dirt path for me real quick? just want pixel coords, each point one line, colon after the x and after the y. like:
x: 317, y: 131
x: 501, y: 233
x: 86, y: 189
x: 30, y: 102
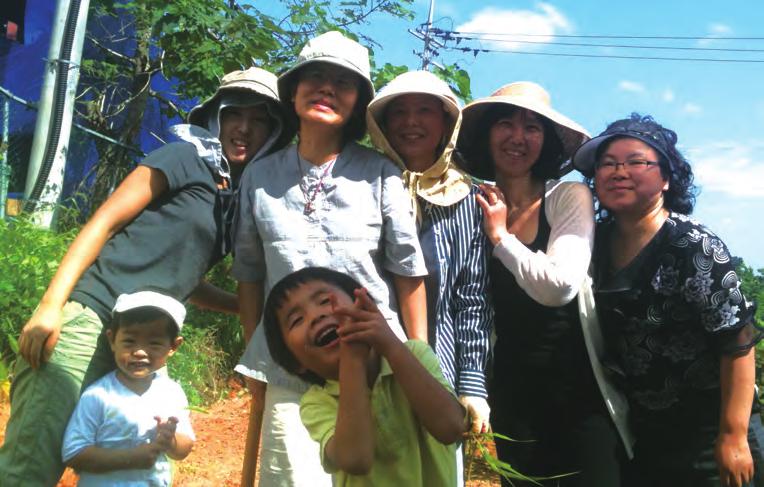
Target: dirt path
x: 219, y: 449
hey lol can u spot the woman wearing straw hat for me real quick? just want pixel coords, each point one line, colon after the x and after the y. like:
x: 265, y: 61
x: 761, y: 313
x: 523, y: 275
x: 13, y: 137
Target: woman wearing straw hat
x: 415, y: 120
x: 545, y: 386
x: 165, y: 225
x: 325, y: 201
x: 678, y: 325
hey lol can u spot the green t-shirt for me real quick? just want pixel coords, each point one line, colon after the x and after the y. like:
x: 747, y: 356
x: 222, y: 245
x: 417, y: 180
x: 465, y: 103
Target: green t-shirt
x: 405, y: 454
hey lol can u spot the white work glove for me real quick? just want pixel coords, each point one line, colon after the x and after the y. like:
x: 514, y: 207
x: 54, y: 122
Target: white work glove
x: 478, y: 412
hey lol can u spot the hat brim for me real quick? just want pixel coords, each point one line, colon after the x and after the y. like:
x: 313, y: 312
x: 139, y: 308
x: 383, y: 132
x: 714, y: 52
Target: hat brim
x: 585, y: 158
x: 200, y: 113
x: 571, y: 134
x: 287, y: 81
x: 378, y: 106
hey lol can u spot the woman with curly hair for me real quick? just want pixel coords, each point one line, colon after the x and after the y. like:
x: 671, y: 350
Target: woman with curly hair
x: 681, y: 332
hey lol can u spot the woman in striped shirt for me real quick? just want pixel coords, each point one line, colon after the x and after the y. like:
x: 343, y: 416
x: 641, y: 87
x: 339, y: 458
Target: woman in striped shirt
x: 415, y: 120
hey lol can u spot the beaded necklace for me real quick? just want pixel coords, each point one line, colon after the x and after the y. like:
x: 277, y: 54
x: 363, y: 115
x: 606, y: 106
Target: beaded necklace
x: 310, y: 199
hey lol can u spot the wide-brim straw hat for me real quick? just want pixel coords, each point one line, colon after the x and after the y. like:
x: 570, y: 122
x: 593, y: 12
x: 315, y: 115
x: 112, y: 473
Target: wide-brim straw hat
x: 527, y: 95
x: 255, y: 80
x: 333, y: 48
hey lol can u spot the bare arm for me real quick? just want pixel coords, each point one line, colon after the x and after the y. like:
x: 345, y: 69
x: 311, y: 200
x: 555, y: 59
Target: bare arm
x: 96, y: 459
x: 181, y: 447
x: 351, y: 449
x: 412, y: 301
x: 251, y: 297
x: 211, y: 297
x: 40, y: 334
x: 733, y: 454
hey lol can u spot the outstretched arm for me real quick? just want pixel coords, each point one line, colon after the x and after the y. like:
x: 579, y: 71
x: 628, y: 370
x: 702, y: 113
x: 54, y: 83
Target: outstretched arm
x: 210, y: 297
x: 733, y: 454
x: 40, y: 335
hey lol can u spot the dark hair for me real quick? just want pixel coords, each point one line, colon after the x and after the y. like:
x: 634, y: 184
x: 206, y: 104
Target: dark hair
x: 355, y: 128
x: 480, y: 161
x: 143, y: 315
x: 681, y: 193
x: 276, y: 298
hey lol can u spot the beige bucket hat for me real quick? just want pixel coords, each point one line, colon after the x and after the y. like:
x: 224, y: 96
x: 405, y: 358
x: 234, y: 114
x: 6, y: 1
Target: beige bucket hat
x: 334, y: 48
x: 523, y: 94
x: 171, y: 306
x: 255, y: 80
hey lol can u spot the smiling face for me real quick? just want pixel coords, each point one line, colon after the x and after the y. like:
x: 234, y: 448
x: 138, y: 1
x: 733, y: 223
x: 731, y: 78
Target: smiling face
x: 629, y: 189
x: 515, y: 143
x: 243, y: 131
x: 309, y: 326
x: 140, y: 349
x: 325, y: 94
x: 415, y: 124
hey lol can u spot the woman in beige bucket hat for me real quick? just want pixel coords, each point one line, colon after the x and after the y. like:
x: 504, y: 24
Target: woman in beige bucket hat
x: 544, y: 388
x: 324, y: 201
x: 165, y: 225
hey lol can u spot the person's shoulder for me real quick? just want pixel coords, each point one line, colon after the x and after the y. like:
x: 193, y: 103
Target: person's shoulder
x: 266, y: 166
x: 562, y: 189
x: 371, y: 158
x: 688, y: 233
x: 101, y: 387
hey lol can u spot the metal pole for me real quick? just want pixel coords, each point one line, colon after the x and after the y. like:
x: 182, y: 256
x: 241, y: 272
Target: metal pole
x: 5, y: 168
x: 44, y: 107
x: 426, y: 52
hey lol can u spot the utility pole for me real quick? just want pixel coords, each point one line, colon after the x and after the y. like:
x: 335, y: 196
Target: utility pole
x: 424, y: 35
x: 45, y: 176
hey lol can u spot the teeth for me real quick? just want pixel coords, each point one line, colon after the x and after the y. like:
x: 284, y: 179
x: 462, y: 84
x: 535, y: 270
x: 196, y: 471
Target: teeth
x: 327, y: 336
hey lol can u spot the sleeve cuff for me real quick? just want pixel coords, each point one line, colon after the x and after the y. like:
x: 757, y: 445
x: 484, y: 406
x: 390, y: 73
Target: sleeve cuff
x: 471, y: 383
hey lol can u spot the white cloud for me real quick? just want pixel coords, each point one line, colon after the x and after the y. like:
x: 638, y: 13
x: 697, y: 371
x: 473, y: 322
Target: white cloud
x: 544, y: 21
x: 733, y: 168
x: 692, y: 108
x: 715, y: 30
x: 668, y: 95
x: 631, y: 86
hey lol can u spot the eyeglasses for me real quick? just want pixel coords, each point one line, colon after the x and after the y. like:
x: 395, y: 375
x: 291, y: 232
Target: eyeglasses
x: 630, y: 166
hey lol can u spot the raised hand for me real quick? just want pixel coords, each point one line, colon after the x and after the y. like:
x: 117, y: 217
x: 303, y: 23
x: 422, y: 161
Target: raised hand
x: 494, y: 212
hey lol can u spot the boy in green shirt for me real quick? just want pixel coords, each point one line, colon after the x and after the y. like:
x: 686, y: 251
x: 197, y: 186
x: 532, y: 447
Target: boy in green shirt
x: 380, y: 408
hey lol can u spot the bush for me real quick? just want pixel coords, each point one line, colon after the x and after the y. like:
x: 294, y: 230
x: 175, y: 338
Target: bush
x: 29, y: 257
x: 199, y: 367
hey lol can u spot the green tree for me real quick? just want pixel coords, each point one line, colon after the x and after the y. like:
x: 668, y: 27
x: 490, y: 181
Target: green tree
x: 193, y: 43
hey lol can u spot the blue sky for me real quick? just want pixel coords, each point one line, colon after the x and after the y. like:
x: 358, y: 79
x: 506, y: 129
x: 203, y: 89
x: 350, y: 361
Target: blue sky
x: 717, y: 109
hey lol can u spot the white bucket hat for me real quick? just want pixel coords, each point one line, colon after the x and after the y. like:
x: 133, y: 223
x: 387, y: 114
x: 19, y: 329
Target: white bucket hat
x: 334, y: 48
x: 153, y: 299
x: 528, y: 95
x: 254, y: 80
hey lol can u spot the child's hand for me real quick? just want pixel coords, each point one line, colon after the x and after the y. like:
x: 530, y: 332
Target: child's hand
x: 165, y: 437
x: 363, y: 323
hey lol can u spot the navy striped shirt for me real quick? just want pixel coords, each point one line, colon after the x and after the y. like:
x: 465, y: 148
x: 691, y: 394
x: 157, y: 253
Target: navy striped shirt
x: 459, y: 307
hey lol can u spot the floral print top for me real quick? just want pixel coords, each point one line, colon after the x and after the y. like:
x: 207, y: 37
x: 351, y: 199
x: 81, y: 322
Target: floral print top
x: 669, y: 315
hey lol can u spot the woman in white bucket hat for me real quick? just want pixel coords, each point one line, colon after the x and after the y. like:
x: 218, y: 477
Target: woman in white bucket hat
x: 165, y: 225
x: 324, y: 201
x: 544, y: 385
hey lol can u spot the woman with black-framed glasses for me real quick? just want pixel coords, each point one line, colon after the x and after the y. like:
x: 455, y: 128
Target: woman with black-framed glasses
x: 680, y: 331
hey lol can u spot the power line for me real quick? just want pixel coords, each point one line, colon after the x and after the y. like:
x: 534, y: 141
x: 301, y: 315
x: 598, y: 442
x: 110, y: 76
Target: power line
x: 475, y: 51
x: 437, y: 31
x: 586, y: 44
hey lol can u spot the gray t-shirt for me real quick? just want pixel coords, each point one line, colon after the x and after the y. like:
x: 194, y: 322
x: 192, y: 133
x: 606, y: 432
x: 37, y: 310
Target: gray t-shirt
x: 171, y: 244
x: 361, y: 224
